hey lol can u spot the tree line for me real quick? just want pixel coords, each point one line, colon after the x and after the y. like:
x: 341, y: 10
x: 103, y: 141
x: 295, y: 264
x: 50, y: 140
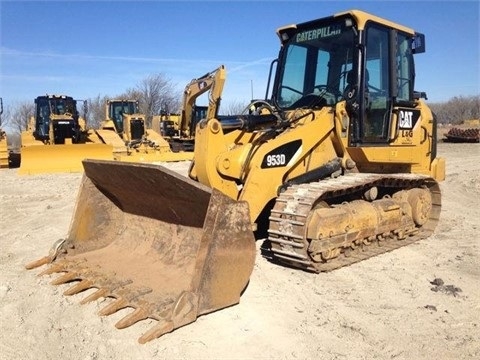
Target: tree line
x: 456, y: 110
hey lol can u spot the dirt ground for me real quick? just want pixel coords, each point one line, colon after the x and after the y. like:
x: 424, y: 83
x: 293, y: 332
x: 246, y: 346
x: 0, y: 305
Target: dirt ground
x: 382, y: 308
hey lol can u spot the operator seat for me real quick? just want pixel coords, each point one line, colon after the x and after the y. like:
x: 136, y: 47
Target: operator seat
x: 350, y: 90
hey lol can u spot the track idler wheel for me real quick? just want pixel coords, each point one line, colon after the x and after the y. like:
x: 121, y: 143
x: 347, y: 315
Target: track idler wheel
x: 420, y: 202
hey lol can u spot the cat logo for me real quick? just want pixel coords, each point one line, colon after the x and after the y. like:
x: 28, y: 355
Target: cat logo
x: 408, y: 118
x: 405, y: 119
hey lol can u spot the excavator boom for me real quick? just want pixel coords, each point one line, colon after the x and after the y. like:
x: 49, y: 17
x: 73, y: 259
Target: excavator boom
x: 213, y: 81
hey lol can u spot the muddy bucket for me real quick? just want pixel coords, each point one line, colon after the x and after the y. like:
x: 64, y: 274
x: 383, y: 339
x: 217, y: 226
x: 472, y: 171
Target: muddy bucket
x: 157, y: 242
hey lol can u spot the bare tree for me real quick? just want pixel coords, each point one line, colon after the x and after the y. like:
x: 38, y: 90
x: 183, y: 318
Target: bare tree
x: 13, y: 138
x: 20, y: 114
x: 96, y: 111
x: 4, y: 115
x: 155, y: 93
x: 457, y: 109
x: 234, y: 107
x: 130, y: 94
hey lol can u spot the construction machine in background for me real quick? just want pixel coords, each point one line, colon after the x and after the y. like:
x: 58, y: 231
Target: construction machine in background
x: 125, y: 129
x: 166, y: 124
x: 4, y: 154
x: 337, y: 164
x: 57, y: 138
x: 179, y: 130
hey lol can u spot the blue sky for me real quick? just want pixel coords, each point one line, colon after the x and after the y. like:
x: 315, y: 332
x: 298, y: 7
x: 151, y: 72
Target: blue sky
x: 87, y: 48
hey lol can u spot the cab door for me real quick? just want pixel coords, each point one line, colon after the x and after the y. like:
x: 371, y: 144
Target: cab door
x: 394, y: 128
x: 388, y: 80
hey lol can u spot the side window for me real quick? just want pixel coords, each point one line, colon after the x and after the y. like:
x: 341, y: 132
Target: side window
x: 43, y: 117
x: 404, y: 68
x: 117, y: 117
x: 376, y: 114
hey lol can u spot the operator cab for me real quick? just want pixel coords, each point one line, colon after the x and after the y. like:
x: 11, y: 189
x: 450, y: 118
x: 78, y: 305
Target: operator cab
x: 350, y: 57
x: 56, y: 117
x: 116, y: 109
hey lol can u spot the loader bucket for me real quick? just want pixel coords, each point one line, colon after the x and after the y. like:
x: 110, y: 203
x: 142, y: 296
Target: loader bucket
x: 155, y: 241
x: 37, y: 159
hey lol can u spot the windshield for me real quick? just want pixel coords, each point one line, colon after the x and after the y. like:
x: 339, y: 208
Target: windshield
x: 62, y: 106
x: 316, y: 61
x: 118, y: 108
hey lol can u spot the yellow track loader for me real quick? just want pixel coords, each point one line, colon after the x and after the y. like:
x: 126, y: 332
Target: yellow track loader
x: 336, y: 165
x: 125, y: 129
x: 57, y: 139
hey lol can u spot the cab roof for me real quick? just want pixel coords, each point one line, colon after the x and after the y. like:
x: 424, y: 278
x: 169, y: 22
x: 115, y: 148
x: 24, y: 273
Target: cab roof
x: 361, y: 18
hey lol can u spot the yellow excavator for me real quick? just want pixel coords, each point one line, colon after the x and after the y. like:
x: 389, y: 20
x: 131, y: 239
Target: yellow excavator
x: 3, y: 142
x: 336, y: 165
x: 125, y: 129
x: 57, y: 139
x: 183, y: 135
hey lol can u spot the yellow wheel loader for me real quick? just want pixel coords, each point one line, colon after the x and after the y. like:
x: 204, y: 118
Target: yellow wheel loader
x: 57, y: 139
x: 125, y: 129
x: 336, y: 165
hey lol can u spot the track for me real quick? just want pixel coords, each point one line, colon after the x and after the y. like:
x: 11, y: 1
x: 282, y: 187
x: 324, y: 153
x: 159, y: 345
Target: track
x: 290, y: 216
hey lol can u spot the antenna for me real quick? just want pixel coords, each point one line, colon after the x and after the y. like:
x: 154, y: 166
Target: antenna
x: 251, y: 88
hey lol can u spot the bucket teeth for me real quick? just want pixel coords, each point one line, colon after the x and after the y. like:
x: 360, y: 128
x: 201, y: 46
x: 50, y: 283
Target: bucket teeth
x: 38, y: 263
x: 75, y: 289
x: 95, y: 296
x: 155, y: 332
x: 113, y: 307
x: 52, y: 269
x: 105, y: 289
x: 138, y: 315
x: 65, y: 278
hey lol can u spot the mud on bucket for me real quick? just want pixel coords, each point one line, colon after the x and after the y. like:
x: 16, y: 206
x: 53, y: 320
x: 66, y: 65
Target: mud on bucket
x: 155, y: 241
